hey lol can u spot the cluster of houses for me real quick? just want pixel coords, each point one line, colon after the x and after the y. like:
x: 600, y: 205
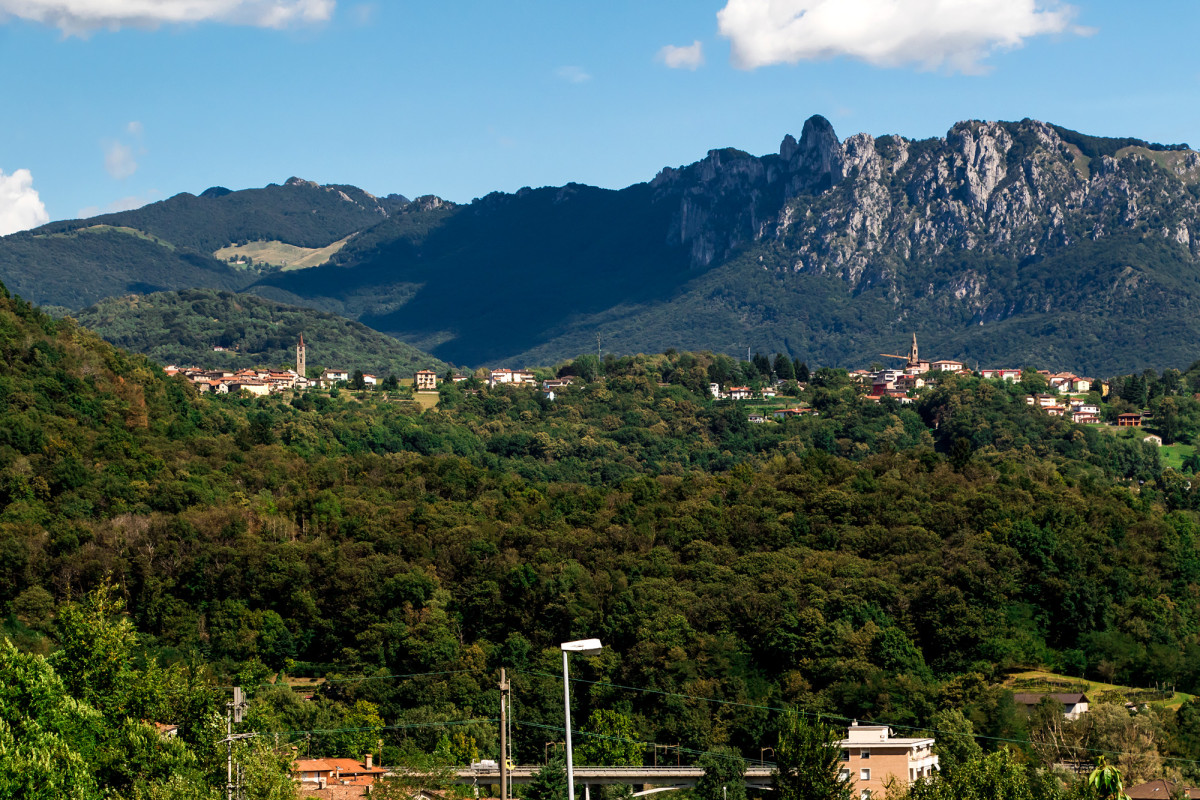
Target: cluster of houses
x: 261, y: 381
x: 1078, y: 410
x: 782, y: 414
x: 741, y: 393
x: 900, y: 383
x: 1084, y: 413
x: 427, y: 380
x: 337, y: 777
x: 251, y: 381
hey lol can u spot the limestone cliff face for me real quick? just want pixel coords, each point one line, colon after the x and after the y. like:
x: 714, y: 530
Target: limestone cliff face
x: 867, y: 209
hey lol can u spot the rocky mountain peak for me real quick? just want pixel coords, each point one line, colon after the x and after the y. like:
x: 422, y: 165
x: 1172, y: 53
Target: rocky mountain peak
x: 294, y: 181
x: 430, y: 202
x: 816, y: 162
x: 787, y: 148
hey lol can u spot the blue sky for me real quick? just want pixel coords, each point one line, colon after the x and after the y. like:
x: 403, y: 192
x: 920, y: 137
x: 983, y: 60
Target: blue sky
x: 114, y: 103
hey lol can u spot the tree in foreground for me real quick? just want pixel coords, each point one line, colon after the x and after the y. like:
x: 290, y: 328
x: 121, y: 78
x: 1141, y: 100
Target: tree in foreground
x: 724, y: 775
x: 808, y: 761
x: 996, y: 776
x: 613, y: 741
x: 955, y: 740
x: 549, y: 782
x: 416, y: 773
x: 1106, y: 781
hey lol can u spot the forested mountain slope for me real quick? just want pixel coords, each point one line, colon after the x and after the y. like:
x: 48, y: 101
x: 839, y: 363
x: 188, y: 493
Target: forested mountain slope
x: 183, y: 327
x: 170, y: 244
x: 74, y: 269
x: 299, y: 212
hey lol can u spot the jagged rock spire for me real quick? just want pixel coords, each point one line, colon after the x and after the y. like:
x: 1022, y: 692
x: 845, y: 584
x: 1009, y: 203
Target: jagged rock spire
x: 815, y: 162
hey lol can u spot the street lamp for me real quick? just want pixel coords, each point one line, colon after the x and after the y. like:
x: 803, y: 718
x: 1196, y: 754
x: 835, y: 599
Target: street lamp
x: 585, y: 646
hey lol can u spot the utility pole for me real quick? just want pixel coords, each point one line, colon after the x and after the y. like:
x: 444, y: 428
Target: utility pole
x: 233, y: 713
x: 229, y: 746
x: 503, y: 735
x: 597, y: 346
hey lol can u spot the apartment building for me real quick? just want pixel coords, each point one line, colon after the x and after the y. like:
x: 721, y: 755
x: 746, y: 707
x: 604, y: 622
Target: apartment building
x: 872, y: 758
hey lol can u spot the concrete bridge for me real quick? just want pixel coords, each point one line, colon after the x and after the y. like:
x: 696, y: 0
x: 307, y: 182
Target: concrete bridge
x: 651, y: 779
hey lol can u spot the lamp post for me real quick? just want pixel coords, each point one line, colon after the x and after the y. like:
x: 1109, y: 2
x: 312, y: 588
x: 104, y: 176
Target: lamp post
x: 585, y: 646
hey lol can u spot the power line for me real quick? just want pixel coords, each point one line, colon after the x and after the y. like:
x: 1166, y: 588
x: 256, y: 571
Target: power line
x: 561, y: 729
x: 448, y: 723
x: 360, y: 679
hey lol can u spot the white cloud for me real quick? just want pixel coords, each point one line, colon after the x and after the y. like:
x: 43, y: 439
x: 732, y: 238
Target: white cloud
x: 363, y: 14
x: 118, y: 160
x: 80, y: 17
x: 689, y: 57
x: 135, y: 129
x: 931, y: 34
x: 573, y: 74
x: 20, y: 206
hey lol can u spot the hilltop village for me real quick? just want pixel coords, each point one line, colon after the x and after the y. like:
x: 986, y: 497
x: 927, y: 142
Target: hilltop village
x: 1065, y: 394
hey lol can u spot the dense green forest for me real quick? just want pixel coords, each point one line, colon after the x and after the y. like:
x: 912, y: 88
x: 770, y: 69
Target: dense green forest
x: 183, y: 327
x: 876, y: 561
x: 113, y: 261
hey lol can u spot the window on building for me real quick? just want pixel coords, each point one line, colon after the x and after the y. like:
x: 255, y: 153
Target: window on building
x: 865, y: 753
x: 864, y: 774
x: 845, y: 755
x: 844, y: 775
x: 866, y: 794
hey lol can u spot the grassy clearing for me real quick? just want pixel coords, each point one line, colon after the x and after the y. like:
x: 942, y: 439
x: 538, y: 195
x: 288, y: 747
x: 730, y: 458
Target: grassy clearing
x: 280, y: 254
x: 1097, y: 691
x: 1123, y: 433
x: 302, y: 686
x: 1174, y: 454
x: 1170, y: 160
x: 1081, y: 162
x: 427, y: 400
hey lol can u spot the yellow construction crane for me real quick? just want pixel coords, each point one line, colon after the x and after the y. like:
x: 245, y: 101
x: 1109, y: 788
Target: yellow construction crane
x: 912, y: 358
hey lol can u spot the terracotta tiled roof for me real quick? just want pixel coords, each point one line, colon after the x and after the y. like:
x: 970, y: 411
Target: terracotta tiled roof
x: 1157, y: 789
x: 348, y: 766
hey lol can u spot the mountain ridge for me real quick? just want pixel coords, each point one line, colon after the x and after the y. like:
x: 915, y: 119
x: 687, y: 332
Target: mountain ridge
x: 1007, y: 241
